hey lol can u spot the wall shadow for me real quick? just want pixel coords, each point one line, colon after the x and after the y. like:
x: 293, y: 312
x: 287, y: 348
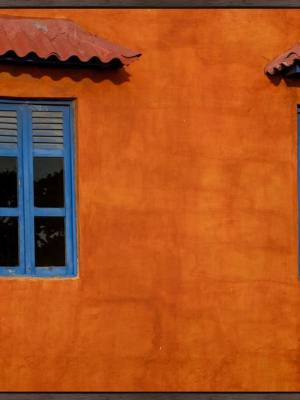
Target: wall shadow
x: 292, y: 82
x: 275, y: 80
x: 117, y: 76
x: 289, y: 81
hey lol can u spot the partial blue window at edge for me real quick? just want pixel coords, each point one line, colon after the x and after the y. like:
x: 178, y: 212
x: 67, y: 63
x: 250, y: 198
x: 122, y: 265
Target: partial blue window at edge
x: 47, y: 235
x: 298, y: 180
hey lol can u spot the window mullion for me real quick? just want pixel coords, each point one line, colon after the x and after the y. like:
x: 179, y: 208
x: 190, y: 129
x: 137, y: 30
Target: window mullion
x: 20, y: 186
x: 68, y: 191
x: 28, y: 187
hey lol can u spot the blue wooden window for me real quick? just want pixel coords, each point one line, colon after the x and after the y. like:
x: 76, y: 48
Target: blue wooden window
x: 298, y: 162
x: 37, y: 189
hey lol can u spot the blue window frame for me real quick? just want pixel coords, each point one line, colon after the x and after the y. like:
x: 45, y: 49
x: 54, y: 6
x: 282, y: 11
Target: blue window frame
x: 298, y: 163
x: 37, y: 189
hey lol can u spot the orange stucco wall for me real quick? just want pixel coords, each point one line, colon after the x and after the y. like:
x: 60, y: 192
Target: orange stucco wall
x: 187, y: 212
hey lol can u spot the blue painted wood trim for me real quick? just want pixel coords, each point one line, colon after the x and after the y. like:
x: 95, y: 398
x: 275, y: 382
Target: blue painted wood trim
x: 28, y: 190
x: 68, y: 192
x: 10, y: 212
x: 73, y: 189
x: 26, y: 210
x: 47, y: 152
x: 12, y: 271
x: 49, y: 212
x: 298, y: 180
x: 18, y: 211
x: 9, y: 152
x: 56, y: 103
x: 52, y: 272
x: 20, y: 183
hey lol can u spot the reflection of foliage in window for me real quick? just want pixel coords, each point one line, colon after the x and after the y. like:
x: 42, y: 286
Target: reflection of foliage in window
x: 9, y: 252
x: 8, y: 188
x: 48, y: 191
x: 49, y: 241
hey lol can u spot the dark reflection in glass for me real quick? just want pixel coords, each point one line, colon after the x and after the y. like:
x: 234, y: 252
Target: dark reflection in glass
x: 49, y: 241
x: 9, y: 242
x: 8, y: 182
x: 48, y: 182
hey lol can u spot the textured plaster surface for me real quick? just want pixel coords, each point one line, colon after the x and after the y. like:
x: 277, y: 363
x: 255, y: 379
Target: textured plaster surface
x: 187, y: 213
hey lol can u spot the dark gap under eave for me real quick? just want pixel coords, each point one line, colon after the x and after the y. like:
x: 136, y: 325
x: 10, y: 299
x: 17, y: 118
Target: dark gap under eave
x: 73, y: 62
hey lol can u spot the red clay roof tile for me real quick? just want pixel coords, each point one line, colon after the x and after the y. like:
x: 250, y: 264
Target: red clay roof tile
x: 284, y: 60
x: 62, y: 38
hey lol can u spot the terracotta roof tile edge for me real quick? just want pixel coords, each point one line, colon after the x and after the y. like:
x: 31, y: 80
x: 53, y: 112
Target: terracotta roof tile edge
x: 60, y: 37
x: 126, y: 60
x: 283, y: 61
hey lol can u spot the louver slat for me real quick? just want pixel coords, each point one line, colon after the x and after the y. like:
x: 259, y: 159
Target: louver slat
x: 8, y: 139
x: 48, y: 139
x: 40, y: 120
x: 7, y: 126
x: 47, y: 129
x: 8, y: 132
x: 56, y: 133
x: 46, y: 114
x: 8, y: 129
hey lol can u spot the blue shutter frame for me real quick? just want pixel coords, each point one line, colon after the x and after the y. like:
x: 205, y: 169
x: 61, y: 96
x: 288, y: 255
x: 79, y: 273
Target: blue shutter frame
x: 9, y: 151
x: 298, y: 179
x: 26, y: 210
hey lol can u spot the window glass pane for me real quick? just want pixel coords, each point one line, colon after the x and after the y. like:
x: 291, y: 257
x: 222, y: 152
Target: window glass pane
x: 9, y: 238
x: 8, y: 182
x: 48, y: 182
x: 49, y: 241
